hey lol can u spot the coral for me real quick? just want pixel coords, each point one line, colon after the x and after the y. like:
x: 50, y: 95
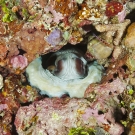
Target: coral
x: 121, y: 15
x: 43, y: 3
x: 92, y: 12
x: 130, y: 5
x: 57, y: 112
x: 104, y: 98
x: 115, y: 69
x: 56, y: 16
x: 13, y: 87
x: 9, y: 14
x: 13, y: 93
x: 129, y: 40
x: 85, y: 24
x: 13, y: 49
x: 117, y: 52
x: 81, y: 130
x: 75, y: 37
x: 118, y: 29
x: 8, y: 107
x: 116, y: 87
x: 31, y: 28
x: 3, y: 48
x: 98, y: 48
x: 132, y: 131
x: 54, y: 37
x: 130, y: 62
x: 32, y: 43
x: 13, y: 10
x: 113, y: 8
x: 66, y: 7
x: 19, y: 62
x: 3, y: 30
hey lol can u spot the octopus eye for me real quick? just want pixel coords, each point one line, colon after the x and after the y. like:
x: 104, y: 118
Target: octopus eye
x: 80, y: 67
x: 59, y: 66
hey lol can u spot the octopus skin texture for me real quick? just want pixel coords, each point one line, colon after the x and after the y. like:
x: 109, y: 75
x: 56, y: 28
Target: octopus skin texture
x: 70, y: 74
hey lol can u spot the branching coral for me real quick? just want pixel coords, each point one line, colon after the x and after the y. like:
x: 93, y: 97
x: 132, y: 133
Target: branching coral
x: 117, y: 29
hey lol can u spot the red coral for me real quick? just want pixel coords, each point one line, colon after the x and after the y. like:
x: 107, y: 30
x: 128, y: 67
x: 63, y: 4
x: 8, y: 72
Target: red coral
x: 113, y: 8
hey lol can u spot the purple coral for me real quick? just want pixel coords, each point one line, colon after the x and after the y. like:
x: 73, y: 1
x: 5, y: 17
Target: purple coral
x: 55, y: 37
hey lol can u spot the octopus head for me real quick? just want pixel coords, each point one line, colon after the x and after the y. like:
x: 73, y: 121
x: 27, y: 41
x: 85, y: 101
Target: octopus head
x: 63, y: 72
x: 68, y: 64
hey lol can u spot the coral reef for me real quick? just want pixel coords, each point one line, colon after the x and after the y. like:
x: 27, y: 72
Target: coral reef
x: 61, y: 115
x: 105, y: 31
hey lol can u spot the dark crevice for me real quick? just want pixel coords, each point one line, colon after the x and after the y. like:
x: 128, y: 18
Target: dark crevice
x: 14, y: 132
x: 21, y: 52
x: 46, y: 61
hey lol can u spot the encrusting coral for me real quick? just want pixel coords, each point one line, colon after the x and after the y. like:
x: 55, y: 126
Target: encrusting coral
x: 130, y: 36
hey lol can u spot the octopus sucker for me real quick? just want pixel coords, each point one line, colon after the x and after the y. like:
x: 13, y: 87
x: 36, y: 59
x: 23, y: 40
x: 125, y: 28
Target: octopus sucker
x: 71, y: 74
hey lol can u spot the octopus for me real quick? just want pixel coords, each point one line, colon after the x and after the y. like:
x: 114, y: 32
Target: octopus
x: 66, y: 72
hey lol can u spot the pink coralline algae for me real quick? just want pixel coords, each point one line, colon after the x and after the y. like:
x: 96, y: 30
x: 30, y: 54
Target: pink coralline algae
x: 19, y: 61
x: 56, y: 16
x: 105, y: 32
x: 94, y: 113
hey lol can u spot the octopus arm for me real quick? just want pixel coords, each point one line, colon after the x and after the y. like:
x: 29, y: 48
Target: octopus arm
x: 53, y: 86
